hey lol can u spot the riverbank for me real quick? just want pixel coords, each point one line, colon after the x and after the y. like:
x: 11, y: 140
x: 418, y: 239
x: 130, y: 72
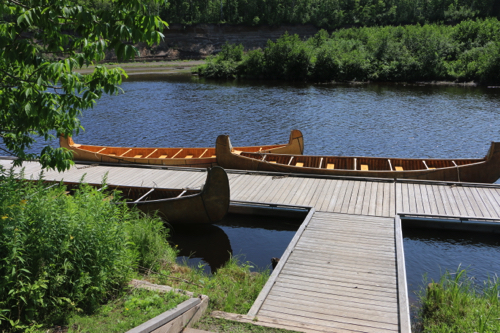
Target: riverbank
x: 152, y: 67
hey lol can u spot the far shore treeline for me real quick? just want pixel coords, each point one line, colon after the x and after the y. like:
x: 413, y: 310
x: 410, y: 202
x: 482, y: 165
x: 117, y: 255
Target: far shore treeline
x: 467, y: 51
x: 326, y: 14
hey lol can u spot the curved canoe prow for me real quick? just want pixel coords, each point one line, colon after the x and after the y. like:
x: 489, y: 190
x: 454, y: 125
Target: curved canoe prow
x: 65, y: 142
x: 297, y: 139
x: 215, y: 194
x: 493, y: 152
x: 490, y: 172
x: 223, y: 150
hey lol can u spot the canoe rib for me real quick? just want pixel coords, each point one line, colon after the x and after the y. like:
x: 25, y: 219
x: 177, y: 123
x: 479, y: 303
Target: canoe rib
x: 187, y: 157
x: 485, y: 170
x: 207, y: 206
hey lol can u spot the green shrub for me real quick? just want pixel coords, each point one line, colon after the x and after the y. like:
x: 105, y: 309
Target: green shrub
x: 61, y: 253
x: 148, y: 237
x: 252, y: 65
x: 225, y: 64
x: 289, y: 58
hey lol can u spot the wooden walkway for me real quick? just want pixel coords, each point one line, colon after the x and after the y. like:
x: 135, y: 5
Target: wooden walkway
x: 344, y: 270
x: 341, y: 276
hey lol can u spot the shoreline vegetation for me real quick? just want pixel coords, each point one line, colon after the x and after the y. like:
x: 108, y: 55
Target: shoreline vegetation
x: 456, y: 303
x: 464, y: 53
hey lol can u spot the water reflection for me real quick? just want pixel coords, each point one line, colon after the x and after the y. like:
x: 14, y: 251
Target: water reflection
x: 252, y: 238
x: 208, y: 243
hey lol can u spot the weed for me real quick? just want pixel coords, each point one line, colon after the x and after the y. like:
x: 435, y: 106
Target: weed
x: 456, y: 304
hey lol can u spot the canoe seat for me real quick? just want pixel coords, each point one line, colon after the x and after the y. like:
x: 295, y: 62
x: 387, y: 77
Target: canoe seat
x: 399, y: 168
x: 299, y: 164
x: 364, y: 167
x: 330, y: 166
x: 431, y: 168
x: 111, y: 154
x: 163, y: 156
x: 137, y: 156
x: 272, y: 161
x: 214, y: 155
x: 189, y: 156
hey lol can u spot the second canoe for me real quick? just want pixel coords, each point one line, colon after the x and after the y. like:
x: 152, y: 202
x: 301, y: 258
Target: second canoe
x: 479, y: 170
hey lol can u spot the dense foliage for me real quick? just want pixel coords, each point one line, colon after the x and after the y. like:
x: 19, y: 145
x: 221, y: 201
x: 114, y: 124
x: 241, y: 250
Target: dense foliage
x: 42, y: 43
x: 327, y: 14
x: 62, y: 253
x: 465, y: 52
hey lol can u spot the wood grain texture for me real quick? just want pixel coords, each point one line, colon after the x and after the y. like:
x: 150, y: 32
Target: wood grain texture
x: 333, y: 282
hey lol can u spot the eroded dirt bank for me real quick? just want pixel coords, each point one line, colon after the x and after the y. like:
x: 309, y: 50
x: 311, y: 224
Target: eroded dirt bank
x: 201, y: 40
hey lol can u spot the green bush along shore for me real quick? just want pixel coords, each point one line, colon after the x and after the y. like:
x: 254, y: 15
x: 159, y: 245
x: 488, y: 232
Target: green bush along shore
x: 468, y: 51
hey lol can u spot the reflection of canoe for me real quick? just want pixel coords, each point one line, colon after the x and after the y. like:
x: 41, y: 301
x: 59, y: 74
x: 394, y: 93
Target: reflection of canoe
x: 188, y: 157
x: 482, y: 170
x: 207, y: 242
x: 208, y: 205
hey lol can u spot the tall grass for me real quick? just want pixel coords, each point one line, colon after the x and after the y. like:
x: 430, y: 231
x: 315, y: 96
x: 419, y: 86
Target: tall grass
x: 233, y: 288
x: 457, y: 304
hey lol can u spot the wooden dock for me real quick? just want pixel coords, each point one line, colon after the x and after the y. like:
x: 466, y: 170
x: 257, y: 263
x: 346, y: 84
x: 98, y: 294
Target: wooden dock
x: 344, y: 269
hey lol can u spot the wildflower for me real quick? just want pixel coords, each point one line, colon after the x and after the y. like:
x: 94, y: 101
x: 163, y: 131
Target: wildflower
x: 23, y: 202
x: 5, y: 217
x: 71, y: 237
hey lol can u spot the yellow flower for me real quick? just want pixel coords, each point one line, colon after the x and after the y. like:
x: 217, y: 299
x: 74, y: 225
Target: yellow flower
x: 126, y: 309
x: 5, y: 217
x: 71, y: 237
x: 23, y: 202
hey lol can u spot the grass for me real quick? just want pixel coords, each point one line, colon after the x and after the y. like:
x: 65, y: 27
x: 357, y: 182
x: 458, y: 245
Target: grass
x: 131, y: 309
x: 225, y: 326
x: 457, y: 304
x: 233, y: 288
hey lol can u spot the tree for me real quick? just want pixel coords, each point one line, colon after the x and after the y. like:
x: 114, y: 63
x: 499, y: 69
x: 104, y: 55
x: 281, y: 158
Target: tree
x: 42, y: 43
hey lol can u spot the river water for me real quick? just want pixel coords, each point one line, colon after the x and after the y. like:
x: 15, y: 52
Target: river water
x: 371, y: 120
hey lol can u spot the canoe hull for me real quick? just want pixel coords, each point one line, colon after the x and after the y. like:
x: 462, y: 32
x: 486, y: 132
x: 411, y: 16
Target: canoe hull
x: 181, y: 157
x: 485, y: 170
x: 208, y: 206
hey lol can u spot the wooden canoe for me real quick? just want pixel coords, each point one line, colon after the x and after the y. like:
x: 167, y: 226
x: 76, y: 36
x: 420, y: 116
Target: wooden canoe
x: 184, y: 206
x: 482, y: 170
x: 183, y: 157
